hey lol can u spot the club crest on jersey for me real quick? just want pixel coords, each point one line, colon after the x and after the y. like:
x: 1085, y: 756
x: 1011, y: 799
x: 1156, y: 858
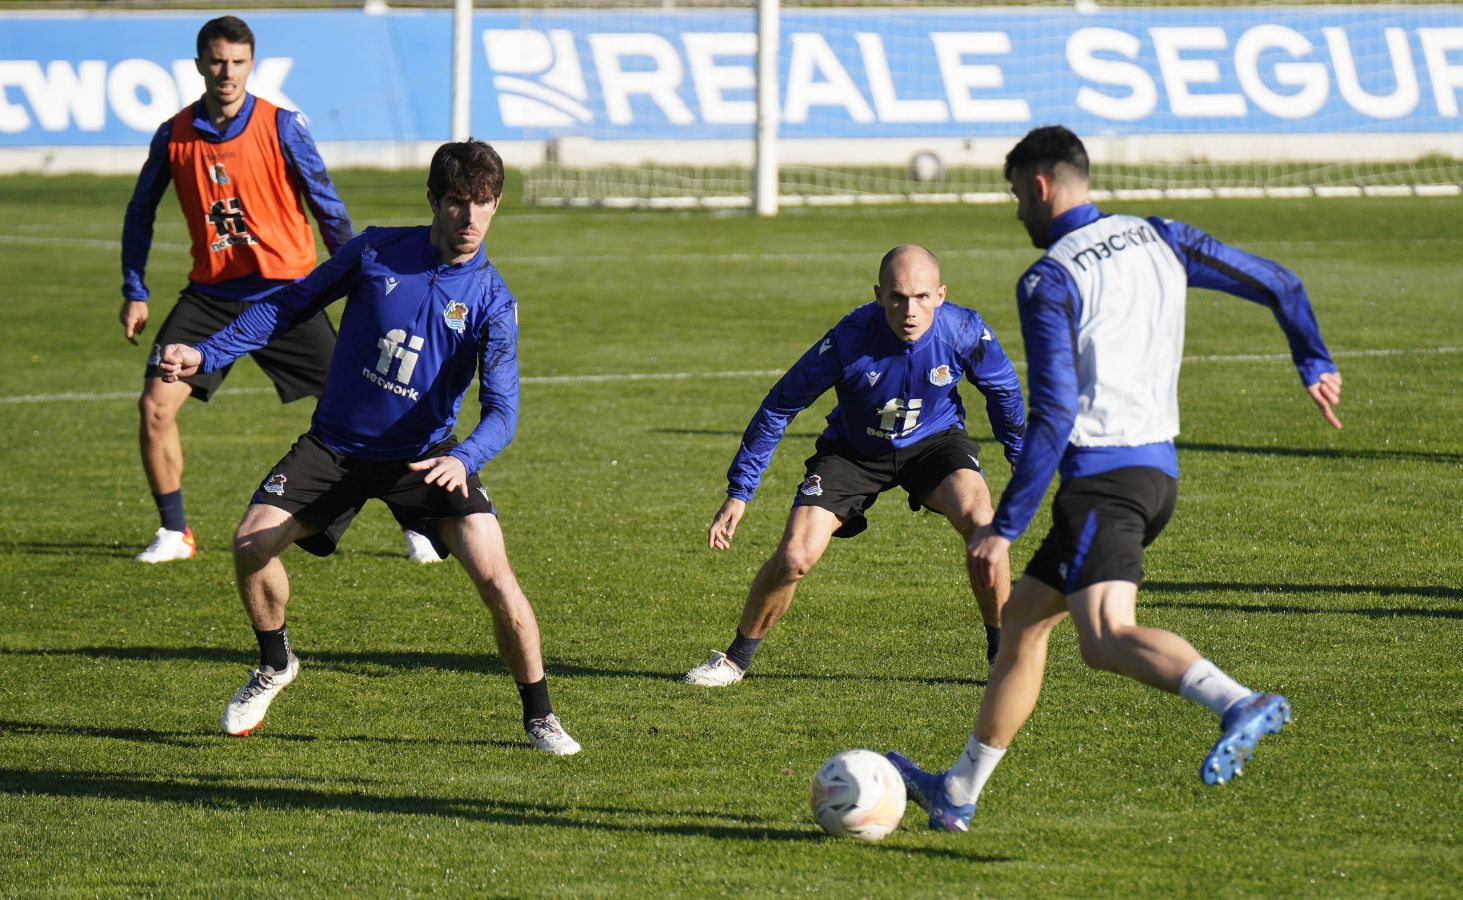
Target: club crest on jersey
x: 456, y: 316
x: 217, y: 175
x: 812, y: 486
x: 275, y: 484
x: 156, y: 356
x: 940, y: 375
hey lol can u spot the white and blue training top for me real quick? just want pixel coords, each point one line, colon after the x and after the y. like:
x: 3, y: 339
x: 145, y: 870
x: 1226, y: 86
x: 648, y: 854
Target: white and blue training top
x: 1102, y: 316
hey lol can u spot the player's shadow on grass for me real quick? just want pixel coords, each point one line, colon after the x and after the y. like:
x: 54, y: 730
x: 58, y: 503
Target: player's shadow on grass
x: 213, y: 791
x: 384, y: 663
x: 1324, y: 452
x: 1267, y: 591
x: 211, y: 737
x: 66, y: 548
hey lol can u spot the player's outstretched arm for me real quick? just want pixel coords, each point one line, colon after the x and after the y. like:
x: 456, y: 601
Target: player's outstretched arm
x: 1326, y: 392
x: 724, y: 526
x: 179, y: 361
x: 447, y: 472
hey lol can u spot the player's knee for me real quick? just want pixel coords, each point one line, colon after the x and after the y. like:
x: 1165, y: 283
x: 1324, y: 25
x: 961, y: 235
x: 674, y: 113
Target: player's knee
x: 792, y: 563
x: 504, y: 598
x: 255, y: 545
x: 251, y: 547
x: 155, y: 413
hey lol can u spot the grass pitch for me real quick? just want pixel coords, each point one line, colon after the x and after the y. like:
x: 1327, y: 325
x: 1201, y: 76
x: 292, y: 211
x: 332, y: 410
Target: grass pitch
x: 1324, y: 565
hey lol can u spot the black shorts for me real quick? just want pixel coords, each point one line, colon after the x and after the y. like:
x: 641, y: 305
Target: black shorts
x: 296, y: 361
x: 1100, y: 525
x: 326, y: 489
x: 846, y: 484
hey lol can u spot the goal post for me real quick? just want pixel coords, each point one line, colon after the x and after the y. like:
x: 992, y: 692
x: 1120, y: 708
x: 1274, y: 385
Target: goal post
x: 765, y: 188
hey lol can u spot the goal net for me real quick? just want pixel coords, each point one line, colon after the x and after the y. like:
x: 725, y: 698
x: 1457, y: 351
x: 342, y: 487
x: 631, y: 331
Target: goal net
x: 656, y: 104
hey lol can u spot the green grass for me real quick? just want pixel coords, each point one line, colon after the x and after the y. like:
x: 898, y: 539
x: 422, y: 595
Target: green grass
x: 1325, y: 565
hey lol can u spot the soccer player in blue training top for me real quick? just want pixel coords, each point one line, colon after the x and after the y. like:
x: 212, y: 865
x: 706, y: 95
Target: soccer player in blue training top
x: 895, y: 364
x: 426, y: 311
x: 240, y: 167
x: 1102, y: 314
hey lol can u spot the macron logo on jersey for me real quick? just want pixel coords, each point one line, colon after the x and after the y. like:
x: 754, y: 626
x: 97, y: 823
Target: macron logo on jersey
x: 390, y: 285
x: 873, y: 377
x: 1030, y: 283
x: 827, y: 343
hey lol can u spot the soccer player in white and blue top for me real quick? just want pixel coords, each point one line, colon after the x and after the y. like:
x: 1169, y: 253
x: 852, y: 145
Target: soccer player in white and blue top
x: 426, y: 312
x: 896, y: 365
x: 1102, y: 315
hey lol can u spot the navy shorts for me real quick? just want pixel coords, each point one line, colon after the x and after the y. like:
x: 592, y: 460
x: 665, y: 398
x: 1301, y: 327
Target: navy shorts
x: 296, y: 361
x: 846, y: 484
x: 326, y: 489
x: 1100, y: 525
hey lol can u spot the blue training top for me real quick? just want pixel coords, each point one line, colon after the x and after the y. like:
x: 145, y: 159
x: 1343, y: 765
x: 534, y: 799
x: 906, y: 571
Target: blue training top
x: 413, y: 333
x: 891, y: 393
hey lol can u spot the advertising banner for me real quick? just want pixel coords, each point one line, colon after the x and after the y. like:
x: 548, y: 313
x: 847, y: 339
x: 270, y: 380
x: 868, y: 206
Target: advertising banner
x: 111, y: 79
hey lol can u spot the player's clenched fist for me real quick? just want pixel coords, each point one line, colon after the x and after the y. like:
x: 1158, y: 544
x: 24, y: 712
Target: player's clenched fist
x: 179, y: 361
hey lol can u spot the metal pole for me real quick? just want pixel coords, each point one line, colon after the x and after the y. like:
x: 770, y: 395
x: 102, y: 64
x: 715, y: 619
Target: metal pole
x: 462, y: 70
x: 769, y: 33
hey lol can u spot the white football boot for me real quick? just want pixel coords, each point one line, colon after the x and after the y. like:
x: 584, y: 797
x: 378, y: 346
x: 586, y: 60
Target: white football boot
x: 419, y: 547
x: 718, y: 671
x: 247, y: 709
x: 550, y: 737
x: 168, y: 546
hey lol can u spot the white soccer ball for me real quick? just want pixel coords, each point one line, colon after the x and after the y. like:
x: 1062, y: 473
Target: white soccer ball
x: 925, y: 167
x: 858, y: 793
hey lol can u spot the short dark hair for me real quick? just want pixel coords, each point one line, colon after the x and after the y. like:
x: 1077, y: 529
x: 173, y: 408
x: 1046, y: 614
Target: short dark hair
x: 1046, y: 148
x: 470, y: 169
x: 231, y: 28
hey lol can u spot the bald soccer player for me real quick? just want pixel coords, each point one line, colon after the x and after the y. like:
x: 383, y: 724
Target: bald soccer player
x: 896, y: 365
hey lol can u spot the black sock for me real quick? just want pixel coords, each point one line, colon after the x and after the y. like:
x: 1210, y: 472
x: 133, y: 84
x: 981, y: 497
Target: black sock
x: 992, y: 642
x: 170, y: 510
x: 535, y: 698
x: 741, y: 650
x: 274, y: 648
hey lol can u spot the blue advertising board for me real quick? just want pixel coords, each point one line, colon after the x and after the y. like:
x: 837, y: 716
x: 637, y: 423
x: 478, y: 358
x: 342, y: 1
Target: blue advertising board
x: 110, y: 79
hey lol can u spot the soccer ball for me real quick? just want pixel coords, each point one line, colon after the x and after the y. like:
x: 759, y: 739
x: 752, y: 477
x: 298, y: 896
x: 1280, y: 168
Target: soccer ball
x: 858, y: 793
x: 925, y: 167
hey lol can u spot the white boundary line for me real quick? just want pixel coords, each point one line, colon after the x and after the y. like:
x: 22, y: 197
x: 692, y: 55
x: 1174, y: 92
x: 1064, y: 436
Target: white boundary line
x: 735, y: 373
x: 95, y: 243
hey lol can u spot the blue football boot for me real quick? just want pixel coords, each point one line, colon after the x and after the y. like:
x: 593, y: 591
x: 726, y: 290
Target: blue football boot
x: 928, y: 790
x: 1243, y: 725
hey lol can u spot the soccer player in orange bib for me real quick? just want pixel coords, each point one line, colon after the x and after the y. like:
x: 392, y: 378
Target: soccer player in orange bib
x: 243, y: 170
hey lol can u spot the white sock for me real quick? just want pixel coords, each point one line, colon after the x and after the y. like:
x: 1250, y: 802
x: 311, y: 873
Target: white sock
x: 1207, y: 686
x: 970, y: 773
